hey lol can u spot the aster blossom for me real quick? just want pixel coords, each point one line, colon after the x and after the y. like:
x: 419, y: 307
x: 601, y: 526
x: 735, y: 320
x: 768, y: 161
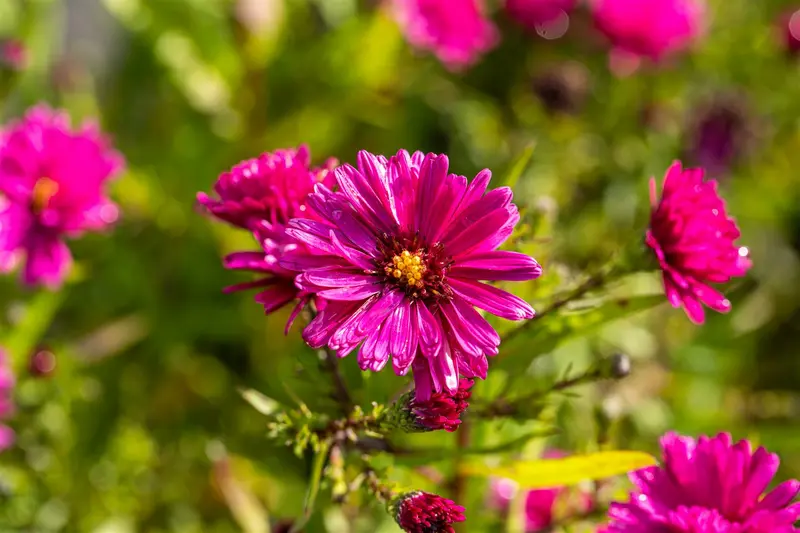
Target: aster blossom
x: 52, y: 182
x: 441, y: 411
x: 423, y: 512
x: 693, y: 239
x: 407, y: 244
x: 710, y: 485
x: 456, y: 31
x: 648, y: 28
x: 261, y: 195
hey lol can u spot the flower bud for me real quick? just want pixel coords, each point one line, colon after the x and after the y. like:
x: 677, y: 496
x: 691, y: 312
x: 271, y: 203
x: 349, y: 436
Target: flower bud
x: 442, y: 411
x: 423, y: 512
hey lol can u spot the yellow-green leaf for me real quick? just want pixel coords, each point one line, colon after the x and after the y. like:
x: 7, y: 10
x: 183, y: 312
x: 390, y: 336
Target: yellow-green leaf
x: 546, y: 473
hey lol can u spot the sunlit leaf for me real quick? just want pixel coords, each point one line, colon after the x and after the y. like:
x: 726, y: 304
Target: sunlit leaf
x: 546, y: 473
x: 519, y: 166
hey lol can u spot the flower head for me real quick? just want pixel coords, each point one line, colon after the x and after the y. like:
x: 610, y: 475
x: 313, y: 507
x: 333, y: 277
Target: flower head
x: 13, y: 54
x: 7, y: 382
x: 456, y: 31
x: 708, y: 486
x: 441, y: 411
x: 693, y: 239
x: 721, y: 134
x: 52, y: 182
x: 406, y: 245
x: 261, y: 195
x: 534, y: 13
x: 648, y: 28
x: 422, y: 512
x: 790, y: 31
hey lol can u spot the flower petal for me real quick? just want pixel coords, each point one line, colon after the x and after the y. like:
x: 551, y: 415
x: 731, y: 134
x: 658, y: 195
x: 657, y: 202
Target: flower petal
x: 498, y: 265
x: 491, y: 299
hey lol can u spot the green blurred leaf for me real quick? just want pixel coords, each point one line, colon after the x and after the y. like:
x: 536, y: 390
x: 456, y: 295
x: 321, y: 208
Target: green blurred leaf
x: 36, y: 318
x: 548, y: 473
x: 313, y: 486
x: 519, y: 166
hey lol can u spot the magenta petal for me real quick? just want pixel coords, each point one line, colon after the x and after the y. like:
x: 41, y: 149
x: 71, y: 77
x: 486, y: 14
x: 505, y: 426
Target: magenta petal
x: 48, y: 261
x: 491, y: 299
x: 314, y: 234
x: 423, y: 380
x: 7, y: 437
x: 247, y: 261
x: 276, y: 297
x: 780, y: 496
x: 403, y: 344
x: 335, y: 278
x: 352, y: 293
x: 497, y: 266
x: 431, y: 336
x: 475, y: 235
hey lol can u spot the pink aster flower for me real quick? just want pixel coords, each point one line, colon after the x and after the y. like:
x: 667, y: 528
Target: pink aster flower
x: 648, y: 28
x: 456, y: 31
x: 52, y: 182
x: 422, y: 512
x: 7, y: 382
x: 790, y: 31
x: 693, y: 238
x: 407, y: 245
x: 261, y: 195
x: 535, y: 13
x: 708, y: 486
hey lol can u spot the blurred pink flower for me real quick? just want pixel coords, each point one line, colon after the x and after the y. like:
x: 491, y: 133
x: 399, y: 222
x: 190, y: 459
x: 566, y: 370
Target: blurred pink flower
x: 648, y: 28
x: 534, y: 13
x: 711, y: 486
x: 790, y: 31
x: 693, y: 239
x: 456, y: 31
x: 407, y: 245
x: 261, y: 195
x: 13, y: 54
x: 53, y: 182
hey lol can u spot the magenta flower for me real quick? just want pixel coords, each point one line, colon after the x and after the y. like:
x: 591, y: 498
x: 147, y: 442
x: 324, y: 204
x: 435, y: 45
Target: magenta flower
x: 7, y: 382
x: 693, y: 238
x: 13, y: 54
x: 408, y: 244
x: 648, y: 28
x: 790, y: 31
x: 534, y: 13
x: 422, y: 512
x: 708, y: 486
x: 261, y: 195
x: 456, y: 31
x: 53, y: 182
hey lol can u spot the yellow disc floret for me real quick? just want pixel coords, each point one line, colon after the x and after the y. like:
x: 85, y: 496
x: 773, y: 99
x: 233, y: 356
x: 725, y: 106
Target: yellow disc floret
x: 407, y: 268
x: 43, y: 190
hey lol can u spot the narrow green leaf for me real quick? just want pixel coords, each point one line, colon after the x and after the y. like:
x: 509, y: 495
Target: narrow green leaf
x: 313, y: 486
x: 36, y: 318
x: 549, y: 473
x: 519, y: 166
x: 261, y: 403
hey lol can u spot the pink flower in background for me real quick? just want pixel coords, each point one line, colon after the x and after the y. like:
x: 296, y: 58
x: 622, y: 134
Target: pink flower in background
x: 534, y: 13
x: 648, y: 28
x: 708, y: 486
x: 422, y: 512
x: 407, y: 244
x: 52, y: 182
x: 693, y: 239
x: 7, y: 382
x: 262, y: 195
x: 13, y: 54
x: 456, y: 31
x: 790, y: 31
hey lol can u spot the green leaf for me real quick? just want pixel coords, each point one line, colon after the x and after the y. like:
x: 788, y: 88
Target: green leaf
x: 519, y: 166
x: 548, y: 473
x: 313, y: 486
x: 262, y: 404
x: 544, y: 334
x: 36, y: 318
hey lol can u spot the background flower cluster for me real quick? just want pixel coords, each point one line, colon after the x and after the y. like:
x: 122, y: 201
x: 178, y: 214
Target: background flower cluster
x: 337, y: 333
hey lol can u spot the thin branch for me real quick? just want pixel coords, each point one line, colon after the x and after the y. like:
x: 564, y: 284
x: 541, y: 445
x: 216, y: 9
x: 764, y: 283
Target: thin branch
x: 340, y: 393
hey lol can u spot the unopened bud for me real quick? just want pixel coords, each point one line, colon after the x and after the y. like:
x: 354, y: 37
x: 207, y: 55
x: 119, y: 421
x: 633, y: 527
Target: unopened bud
x: 441, y: 411
x: 423, y: 512
x: 618, y: 366
x: 42, y: 363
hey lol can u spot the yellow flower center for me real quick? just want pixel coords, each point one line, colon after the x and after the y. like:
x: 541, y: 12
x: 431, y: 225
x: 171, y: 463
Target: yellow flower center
x: 407, y: 268
x: 43, y: 191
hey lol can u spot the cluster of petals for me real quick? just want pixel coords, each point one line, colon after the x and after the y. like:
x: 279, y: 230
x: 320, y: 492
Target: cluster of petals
x: 711, y: 485
x: 261, y: 195
x: 423, y: 512
x: 693, y: 239
x: 7, y: 382
x: 534, y: 13
x: 52, y: 182
x: 456, y: 31
x: 648, y: 28
x: 442, y: 410
x: 406, y: 245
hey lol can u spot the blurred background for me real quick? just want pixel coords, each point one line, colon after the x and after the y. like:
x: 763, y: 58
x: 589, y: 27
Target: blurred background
x: 129, y: 416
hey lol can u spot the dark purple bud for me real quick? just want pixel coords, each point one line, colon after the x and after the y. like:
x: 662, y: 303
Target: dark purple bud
x: 423, y: 512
